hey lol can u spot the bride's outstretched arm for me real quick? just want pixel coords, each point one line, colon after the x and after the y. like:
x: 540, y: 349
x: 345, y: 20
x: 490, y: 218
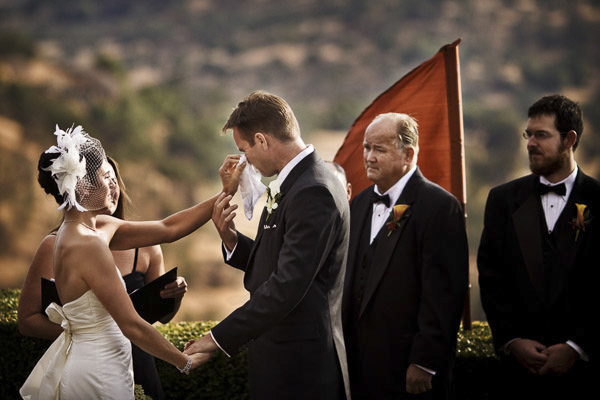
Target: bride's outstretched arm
x: 129, y: 234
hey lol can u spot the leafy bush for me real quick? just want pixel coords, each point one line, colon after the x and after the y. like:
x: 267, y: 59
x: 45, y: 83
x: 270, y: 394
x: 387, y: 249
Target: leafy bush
x: 18, y: 354
x: 476, y: 371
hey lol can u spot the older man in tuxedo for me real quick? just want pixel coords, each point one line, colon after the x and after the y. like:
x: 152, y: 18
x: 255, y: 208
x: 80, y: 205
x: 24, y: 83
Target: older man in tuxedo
x: 407, y: 272
x: 294, y: 268
x: 538, y: 262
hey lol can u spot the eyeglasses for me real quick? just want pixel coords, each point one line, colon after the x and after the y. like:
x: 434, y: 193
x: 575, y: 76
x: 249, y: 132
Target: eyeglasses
x: 540, y: 135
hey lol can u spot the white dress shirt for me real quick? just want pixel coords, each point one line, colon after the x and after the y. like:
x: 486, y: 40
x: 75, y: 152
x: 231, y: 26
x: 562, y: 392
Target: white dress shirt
x: 380, y: 212
x: 552, y: 203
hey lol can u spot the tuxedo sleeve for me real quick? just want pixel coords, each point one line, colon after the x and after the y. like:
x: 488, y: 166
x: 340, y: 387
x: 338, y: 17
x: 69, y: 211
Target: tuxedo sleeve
x: 311, y: 222
x: 497, y: 291
x: 444, y: 278
x: 241, y: 253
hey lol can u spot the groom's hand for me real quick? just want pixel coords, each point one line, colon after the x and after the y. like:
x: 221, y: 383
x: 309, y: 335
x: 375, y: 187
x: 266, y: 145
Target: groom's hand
x: 222, y: 217
x: 231, y: 173
x: 205, y: 344
x: 201, y: 350
x: 199, y: 359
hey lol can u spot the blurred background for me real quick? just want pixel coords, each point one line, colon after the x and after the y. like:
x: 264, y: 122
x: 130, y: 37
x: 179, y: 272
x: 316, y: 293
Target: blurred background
x: 155, y: 81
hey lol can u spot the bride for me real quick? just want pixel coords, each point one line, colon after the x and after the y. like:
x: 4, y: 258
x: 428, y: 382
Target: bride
x: 92, y: 357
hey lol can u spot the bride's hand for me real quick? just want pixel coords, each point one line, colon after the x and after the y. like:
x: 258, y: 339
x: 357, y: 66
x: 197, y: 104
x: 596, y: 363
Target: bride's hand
x: 200, y: 350
x: 231, y: 173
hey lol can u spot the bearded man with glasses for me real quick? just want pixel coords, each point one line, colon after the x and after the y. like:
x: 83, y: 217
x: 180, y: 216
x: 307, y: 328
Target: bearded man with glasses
x: 538, y: 259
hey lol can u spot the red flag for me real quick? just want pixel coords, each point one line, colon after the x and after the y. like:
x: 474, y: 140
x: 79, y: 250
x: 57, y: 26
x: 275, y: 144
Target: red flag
x: 431, y: 94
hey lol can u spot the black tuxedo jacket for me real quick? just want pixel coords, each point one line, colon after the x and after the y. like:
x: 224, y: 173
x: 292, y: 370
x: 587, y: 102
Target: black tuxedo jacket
x: 414, y: 293
x: 294, y: 271
x: 519, y: 298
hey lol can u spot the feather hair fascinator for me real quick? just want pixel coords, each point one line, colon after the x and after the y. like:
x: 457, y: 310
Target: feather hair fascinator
x: 70, y: 168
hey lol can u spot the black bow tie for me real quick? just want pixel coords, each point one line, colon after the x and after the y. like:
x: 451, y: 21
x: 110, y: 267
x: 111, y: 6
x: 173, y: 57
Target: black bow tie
x: 385, y: 199
x: 558, y: 189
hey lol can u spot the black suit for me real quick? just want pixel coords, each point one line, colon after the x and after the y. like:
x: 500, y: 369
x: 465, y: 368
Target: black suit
x: 535, y: 285
x: 415, y: 281
x: 294, y: 271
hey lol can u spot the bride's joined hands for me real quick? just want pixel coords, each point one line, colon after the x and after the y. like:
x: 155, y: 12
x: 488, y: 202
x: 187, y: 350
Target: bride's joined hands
x: 231, y: 173
x: 200, y: 351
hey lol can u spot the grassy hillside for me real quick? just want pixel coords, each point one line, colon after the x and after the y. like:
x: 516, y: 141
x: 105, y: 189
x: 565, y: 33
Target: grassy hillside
x: 155, y: 81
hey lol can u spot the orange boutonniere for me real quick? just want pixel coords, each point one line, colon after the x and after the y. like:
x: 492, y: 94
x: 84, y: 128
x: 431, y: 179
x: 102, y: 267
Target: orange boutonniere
x: 582, y: 219
x: 399, y: 212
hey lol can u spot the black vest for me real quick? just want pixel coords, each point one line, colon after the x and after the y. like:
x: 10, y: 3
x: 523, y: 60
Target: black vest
x: 552, y: 260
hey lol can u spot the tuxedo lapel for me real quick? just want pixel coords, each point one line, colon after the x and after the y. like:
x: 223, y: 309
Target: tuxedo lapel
x: 259, y: 234
x: 360, y: 225
x: 386, y: 244
x: 565, y: 241
x: 298, y: 170
x: 361, y: 221
x: 526, y: 220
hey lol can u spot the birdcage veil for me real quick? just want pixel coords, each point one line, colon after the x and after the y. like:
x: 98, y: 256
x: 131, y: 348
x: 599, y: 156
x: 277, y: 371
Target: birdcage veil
x: 77, y: 168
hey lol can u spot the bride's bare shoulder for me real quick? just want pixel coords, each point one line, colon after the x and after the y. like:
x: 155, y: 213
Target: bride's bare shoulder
x: 107, y: 221
x: 82, y: 249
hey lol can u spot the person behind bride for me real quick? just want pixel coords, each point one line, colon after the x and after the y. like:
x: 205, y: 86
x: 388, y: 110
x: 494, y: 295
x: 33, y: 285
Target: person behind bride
x: 137, y: 266
x: 92, y: 356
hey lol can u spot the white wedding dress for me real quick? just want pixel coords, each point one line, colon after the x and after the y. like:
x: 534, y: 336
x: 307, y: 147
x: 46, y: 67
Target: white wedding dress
x: 91, y: 359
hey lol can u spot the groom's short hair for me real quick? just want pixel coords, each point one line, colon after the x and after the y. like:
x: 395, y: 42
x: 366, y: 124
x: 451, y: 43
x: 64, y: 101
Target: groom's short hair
x: 266, y: 113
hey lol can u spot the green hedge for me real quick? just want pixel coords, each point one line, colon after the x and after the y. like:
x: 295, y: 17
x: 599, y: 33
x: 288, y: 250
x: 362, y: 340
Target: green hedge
x: 222, y: 378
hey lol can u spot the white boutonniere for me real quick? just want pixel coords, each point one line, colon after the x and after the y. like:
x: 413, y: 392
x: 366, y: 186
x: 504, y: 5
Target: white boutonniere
x: 273, y: 197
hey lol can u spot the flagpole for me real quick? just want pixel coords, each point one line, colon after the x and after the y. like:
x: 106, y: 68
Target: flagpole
x: 457, y: 148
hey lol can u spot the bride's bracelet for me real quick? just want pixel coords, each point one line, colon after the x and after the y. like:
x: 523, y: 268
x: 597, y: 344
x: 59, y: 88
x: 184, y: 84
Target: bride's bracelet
x: 187, y: 367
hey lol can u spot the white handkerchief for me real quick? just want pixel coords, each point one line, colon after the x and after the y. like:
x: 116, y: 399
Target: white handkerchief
x: 251, y: 187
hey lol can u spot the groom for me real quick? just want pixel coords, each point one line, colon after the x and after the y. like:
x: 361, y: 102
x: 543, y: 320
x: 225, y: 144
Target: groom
x: 294, y: 268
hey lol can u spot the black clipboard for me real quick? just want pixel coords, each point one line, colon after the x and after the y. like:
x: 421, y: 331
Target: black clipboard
x: 146, y: 300
x: 49, y: 293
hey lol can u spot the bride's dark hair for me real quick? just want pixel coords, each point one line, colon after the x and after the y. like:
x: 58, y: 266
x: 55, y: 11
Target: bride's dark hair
x: 45, y: 178
x: 93, y: 156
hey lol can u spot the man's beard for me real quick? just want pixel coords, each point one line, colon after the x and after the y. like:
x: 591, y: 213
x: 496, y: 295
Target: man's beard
x: 549, y: 165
